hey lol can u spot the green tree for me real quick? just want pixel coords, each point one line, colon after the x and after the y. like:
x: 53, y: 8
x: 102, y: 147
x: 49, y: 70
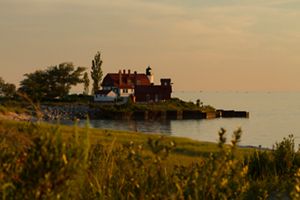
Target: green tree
x: 86, y: 82
x: 96, y: 72
x: 7, y: 89
x: 62, y: 77
x: 35, y: 85
x: 54, y: 82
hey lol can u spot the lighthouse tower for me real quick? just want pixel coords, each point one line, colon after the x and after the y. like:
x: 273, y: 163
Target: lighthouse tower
x: 150, y: 75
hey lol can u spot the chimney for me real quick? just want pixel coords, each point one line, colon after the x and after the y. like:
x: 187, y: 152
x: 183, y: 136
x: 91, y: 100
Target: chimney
x: 128, y: 78
x: 135, y: 78
x: 120, y: 77
x: 124, y: 71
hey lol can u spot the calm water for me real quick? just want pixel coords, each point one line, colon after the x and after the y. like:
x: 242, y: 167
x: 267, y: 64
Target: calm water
x: 272, y: 117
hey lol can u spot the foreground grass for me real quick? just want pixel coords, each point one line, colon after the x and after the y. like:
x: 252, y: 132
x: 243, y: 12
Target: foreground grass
x: 42, y: 161
x: 15, y: 108
x: 187, y: 149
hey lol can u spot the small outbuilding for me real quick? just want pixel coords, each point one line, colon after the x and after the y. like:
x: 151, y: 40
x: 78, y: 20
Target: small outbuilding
x: 105, y: 96
x: 154, y: 93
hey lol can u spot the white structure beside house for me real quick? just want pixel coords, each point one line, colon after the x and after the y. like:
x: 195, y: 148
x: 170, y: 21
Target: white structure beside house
x: 121, y: 91
x: 105, y: 96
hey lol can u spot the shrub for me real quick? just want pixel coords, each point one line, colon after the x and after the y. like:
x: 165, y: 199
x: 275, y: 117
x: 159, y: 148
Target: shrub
x: 274, y: 169
x: 47, y: 168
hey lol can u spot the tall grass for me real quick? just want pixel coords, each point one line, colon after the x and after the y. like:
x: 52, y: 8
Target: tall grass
x: 39, y: 163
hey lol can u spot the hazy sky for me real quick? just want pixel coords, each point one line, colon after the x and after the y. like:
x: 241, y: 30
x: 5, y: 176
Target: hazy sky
x: 205, y: 45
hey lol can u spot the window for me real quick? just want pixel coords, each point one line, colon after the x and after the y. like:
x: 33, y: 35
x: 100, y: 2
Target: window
x: 125, y: 90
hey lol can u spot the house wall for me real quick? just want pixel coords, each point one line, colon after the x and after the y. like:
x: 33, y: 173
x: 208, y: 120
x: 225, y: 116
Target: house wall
x: 126, y: 92
x: 152, y: 93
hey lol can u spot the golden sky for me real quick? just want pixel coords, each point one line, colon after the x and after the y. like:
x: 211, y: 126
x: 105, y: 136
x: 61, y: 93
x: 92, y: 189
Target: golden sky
x: 209, y: 45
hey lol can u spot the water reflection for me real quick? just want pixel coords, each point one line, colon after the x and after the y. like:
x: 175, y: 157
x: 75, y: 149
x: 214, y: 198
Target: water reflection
x: 163, y: 127
x: 273, y: 116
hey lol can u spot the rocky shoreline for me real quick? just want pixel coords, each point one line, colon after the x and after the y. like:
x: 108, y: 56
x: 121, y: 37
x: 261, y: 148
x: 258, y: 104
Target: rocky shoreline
x: 65, y: 112
x: 71, y: 112
x: 84, y: 111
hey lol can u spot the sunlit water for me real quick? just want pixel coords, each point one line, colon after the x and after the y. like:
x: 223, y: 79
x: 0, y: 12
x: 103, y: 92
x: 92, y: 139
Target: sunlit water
x: 272, y: 117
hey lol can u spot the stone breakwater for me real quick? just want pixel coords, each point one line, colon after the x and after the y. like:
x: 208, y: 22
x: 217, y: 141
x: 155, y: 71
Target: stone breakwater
x: 65, y: 112
x: 71, y: 112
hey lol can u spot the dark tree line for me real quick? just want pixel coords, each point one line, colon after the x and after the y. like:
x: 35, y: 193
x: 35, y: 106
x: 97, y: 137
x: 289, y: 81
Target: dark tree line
x: 7, y: 89
x: 54, y: 82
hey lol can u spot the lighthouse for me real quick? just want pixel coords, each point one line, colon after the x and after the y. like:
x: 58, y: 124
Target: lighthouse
x: 150, y: 75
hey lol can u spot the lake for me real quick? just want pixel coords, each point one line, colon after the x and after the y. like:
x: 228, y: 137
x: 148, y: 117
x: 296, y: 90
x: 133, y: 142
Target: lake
x: 273, y: 116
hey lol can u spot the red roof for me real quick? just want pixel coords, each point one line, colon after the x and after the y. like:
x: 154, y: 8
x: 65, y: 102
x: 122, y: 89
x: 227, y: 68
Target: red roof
x: 122, y: 80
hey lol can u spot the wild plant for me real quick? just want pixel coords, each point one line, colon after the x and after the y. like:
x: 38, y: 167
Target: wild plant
x: 284, y: 156
x: 128, y: 172
x: 271, y: 171
x: 221, y: 176
x: 295, y: 193
x: 49, y: 168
